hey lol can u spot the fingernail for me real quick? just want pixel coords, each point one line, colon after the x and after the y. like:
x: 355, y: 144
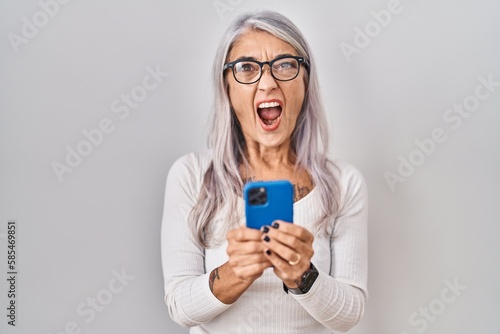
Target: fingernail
x: 276, y: 225
x: 268, y: 252
x: 266, y: 238
x: 265, y: 229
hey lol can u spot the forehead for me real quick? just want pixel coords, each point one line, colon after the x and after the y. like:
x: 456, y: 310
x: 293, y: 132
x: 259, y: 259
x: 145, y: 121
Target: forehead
x: 260, y: 45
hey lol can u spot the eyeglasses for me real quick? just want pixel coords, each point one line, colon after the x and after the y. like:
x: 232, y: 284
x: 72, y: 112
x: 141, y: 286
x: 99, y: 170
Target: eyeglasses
x: 284, y: 68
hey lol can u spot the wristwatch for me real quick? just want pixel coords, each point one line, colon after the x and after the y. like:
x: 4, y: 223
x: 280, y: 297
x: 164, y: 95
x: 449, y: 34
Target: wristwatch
x: 306, y: 283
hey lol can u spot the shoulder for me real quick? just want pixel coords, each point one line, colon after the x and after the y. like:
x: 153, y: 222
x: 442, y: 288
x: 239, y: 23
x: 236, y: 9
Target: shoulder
x: 194, y: 161
x: 190, y: 168
x: 352, y: 185
x: 347, y: 174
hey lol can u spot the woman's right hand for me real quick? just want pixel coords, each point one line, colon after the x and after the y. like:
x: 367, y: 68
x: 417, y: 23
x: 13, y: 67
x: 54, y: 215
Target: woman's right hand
x: 246, y: 263
x: 246, y: 253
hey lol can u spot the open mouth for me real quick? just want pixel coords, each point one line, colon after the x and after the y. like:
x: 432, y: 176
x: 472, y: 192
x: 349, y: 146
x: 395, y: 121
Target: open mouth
x: 269, y: 114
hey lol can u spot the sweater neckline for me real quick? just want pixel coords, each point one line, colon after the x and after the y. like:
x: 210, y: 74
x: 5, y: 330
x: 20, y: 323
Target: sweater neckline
x: 300, y: 202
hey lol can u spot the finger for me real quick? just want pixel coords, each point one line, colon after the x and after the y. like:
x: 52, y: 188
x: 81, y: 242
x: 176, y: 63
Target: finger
x: 252, y: 271
x: 288, y: 251
x: 244, y: 248
x: 298, y: 246
x: 289, y: 241
x: 287, y: 273
x: 293, y: 229
x: 246, y: 260
x: 243, y: 234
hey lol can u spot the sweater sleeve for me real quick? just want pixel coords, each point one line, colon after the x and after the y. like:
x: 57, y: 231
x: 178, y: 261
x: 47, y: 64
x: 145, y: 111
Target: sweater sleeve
x: 187, y: 294
x: 337, y: 299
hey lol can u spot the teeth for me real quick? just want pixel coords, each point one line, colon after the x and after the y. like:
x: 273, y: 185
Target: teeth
x: 268, y: 104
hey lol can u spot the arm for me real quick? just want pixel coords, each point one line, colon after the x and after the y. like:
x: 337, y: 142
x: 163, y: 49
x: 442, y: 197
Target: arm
x: 337, y: 298
x: 187, y: 292
x: 192, y: 295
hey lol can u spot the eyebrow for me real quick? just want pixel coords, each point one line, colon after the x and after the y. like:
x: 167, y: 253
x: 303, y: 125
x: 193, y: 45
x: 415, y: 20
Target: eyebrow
x: 254, y: 59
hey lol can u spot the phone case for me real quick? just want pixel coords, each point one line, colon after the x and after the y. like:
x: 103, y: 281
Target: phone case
x: 267, y: 201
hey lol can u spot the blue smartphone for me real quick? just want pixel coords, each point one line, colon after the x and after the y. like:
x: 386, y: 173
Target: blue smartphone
x: 267, y: 201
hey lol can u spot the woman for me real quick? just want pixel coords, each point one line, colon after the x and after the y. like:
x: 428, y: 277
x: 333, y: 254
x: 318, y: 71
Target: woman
x: 268, y: 123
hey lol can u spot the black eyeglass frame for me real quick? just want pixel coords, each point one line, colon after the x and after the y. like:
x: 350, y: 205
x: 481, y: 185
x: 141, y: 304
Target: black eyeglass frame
x: 299, y: 59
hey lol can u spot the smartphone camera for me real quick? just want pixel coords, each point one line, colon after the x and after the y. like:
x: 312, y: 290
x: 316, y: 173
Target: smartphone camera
x: 257, y: 196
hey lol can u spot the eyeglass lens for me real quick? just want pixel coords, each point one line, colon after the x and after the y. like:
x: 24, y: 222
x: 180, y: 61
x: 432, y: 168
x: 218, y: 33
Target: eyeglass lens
x: 247, y: 71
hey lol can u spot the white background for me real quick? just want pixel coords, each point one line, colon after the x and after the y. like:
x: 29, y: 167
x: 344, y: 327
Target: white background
x: 440, y: 225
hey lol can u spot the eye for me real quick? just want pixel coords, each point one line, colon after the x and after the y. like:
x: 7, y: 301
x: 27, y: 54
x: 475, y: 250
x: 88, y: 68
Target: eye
x: 285, y: 64
x: 247, y: 67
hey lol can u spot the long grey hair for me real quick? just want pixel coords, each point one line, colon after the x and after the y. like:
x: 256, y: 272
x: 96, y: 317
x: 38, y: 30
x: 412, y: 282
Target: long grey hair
x: 222, y: 183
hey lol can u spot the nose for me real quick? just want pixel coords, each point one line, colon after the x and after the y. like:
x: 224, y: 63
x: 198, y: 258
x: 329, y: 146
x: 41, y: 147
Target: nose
x: 267, y: 81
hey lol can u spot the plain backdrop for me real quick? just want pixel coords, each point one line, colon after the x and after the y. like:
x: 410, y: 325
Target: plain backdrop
x: 64, y: 70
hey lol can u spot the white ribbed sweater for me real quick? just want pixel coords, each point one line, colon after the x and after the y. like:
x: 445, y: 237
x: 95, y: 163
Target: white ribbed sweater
x: 336, y: 300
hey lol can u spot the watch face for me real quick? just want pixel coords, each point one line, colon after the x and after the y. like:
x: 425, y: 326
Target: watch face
x: 308, y: 280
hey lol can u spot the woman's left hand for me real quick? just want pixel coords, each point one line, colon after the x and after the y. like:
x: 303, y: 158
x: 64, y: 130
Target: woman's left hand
x: 289, y: 249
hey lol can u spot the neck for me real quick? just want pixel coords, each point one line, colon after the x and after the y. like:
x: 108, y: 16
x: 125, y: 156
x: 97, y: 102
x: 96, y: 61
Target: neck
x: 268, y: 162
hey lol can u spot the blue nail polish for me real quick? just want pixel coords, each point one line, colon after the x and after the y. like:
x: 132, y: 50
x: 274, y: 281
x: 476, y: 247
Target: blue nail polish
x: 276, y: 225
x: 266, y: 238
x: 268, y: 252
x: 265, y: 229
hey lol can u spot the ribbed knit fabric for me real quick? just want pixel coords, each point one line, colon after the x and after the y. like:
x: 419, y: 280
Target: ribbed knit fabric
x: 334, y: 303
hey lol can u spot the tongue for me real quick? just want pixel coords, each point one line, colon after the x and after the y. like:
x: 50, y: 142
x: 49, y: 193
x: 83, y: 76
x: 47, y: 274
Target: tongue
x: 269, y: 113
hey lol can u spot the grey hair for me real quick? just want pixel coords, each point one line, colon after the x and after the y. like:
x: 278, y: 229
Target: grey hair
x: 222, y: 183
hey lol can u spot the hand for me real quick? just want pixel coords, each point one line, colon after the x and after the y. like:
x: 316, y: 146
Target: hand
x: 289, y: 248
x: 246, y: 253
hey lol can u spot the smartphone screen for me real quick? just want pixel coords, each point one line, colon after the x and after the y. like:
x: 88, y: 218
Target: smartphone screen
x: 267, y: 201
